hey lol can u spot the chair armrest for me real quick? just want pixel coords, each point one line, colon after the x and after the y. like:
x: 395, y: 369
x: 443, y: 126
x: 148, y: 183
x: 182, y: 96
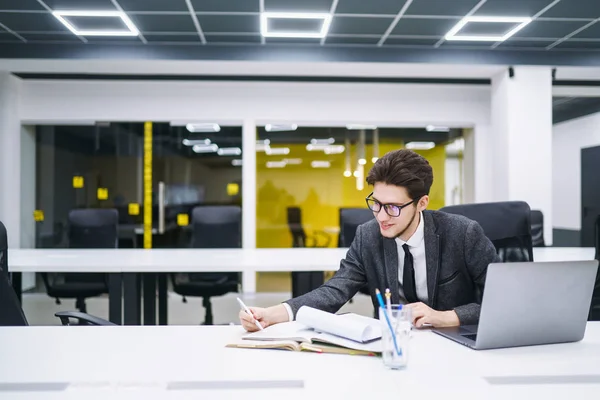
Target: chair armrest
x: 65, y: 315
x: 322, y: 234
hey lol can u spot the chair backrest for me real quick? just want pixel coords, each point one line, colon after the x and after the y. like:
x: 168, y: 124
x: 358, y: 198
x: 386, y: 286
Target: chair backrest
x: 350, y: 219
x: 537, y: 228
x: 507, y: 224
x: 595, y: 306
x: 597, y: 236
x: 217, y: 227
x: 11, y: 313
x: 93, y: 228
x: 294, y: 220
x: 3, y: 250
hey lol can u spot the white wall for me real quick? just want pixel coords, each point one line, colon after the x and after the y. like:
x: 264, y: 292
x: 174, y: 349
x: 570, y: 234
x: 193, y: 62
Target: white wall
x: 453, y: 181
x: 10, y: 155
x: 27, y: 196
x: 568, y: 139
x: 333, y: 104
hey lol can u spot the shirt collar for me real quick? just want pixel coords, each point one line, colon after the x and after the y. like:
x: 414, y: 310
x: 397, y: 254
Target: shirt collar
x: 417, y: 238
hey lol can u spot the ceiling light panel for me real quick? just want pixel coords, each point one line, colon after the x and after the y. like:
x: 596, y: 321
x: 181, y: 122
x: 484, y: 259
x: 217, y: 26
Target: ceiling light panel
x: 211, y: 148
x: 193, y: 142
x: 433, y: 128
x: 320, y: 164
x: 280, y: 127
x: 64, y: 15
x: 356, y: 127
x: 420, y: 145
x: 520, y: 23
x: 277, y: 151
x: 202, y: 127
x: 229, y: 151
x: 266, y: 32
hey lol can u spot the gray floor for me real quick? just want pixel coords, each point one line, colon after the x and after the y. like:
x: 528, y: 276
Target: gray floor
x: 39, y: 308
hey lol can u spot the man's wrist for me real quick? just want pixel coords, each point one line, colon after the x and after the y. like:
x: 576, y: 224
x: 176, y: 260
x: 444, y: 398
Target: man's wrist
x: 450, y: 318
x: 279, y: 314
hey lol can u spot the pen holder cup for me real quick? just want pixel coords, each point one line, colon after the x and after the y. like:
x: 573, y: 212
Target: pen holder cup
x: 395, y: 330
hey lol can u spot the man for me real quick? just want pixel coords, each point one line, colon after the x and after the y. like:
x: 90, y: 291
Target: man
x: 433, y: 261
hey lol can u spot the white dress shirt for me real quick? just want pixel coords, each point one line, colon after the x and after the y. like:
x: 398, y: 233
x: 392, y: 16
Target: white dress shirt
x: 416, y: 245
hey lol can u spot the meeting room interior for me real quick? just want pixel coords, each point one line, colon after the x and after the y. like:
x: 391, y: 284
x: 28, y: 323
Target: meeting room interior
x: 214, y: 198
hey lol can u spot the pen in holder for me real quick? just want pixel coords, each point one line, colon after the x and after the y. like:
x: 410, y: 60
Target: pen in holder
x: 387, y: 318
x: 395, y: 341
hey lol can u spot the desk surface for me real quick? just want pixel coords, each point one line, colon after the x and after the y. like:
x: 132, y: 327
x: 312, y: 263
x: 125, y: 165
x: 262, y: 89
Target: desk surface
x: 212, y: 260
x: 144, y: 360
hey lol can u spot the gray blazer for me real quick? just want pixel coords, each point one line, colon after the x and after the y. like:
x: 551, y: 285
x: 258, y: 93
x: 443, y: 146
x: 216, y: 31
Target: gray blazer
x: 457, y: 254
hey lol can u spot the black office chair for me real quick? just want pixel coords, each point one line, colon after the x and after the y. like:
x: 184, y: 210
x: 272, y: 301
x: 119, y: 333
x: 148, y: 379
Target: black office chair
x: 88, y: 229
x: 299, y: 236
x: 11, y: 313
x: 213, y: 227
x: 507, y: 224
x: 537, y: 229
x: 350, y: 219
x: 595, y: 306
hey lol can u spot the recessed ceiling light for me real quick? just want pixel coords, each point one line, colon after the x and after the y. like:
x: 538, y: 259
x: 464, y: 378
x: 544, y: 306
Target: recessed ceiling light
x: 280, y: 127
x: 194, y: 128
x: 229, y: 151
x: 293, y: 161
x: 320, y: 164
x: 322, y: 141
x: 277, y: 151
x: 276, y: 164
x: 211, y: 148
x: 356, y: 127
x: 63, y: 15
x: 236, y: 163
x: 420, y: 145
x: 193, y: 142
x: 521, y: 21
x: 264, y: 24
x: 433, y: 128
x: 337, y: 149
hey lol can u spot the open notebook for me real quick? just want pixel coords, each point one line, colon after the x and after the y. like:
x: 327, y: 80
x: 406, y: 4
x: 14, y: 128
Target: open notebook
x: 319, y: 331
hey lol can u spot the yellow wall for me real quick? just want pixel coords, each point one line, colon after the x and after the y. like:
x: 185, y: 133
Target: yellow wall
x: 320, y: 192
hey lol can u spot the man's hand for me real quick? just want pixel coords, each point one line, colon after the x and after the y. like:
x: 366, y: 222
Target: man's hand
x: 423, y: 314
x: 264, y: 316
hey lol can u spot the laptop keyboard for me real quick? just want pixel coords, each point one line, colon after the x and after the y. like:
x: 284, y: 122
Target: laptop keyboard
x: 472, y: 337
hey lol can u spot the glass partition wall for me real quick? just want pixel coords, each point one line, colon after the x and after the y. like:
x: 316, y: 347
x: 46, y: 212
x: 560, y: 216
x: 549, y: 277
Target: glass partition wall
x: 102, y: 166
x: 91, y: 166
x: 304, y: 176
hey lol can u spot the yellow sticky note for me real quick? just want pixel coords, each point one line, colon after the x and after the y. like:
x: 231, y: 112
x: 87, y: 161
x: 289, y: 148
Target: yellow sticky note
x: 38, y: 215
x: 102, y: 194
x: 183, y: 219
x: 233, y: 189
x: 78, y: 182
x: 134, y: 209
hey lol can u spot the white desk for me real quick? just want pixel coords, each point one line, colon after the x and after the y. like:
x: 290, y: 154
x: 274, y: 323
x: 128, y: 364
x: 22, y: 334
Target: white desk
x: 213, y: 260
x: 310, y: 261
x: 98, y: 361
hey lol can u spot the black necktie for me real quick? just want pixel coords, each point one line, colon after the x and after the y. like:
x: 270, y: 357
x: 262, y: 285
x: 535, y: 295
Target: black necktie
x: 408, y: 277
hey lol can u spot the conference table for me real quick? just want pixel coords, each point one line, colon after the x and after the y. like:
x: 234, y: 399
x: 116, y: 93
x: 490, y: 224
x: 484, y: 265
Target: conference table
x: 124, y: 267
x: 191, y: 362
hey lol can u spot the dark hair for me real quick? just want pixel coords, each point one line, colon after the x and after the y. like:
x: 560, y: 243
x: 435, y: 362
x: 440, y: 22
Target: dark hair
x: 403, y: 168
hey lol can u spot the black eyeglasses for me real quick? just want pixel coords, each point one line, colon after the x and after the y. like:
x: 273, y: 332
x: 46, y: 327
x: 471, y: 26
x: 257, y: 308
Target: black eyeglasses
x: 393, y: 210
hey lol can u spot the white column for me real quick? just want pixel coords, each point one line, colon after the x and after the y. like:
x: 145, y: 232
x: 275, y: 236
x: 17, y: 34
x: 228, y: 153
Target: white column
x: 522, y: 139
x: 249, y: 198
x: 477, y: 163
x: 10, y: 158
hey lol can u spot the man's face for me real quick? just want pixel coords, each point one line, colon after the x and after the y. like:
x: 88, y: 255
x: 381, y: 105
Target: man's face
x: 392, y: 227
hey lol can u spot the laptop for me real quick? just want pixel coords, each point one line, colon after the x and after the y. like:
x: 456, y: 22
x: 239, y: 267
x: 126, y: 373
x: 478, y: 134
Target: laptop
x: 530, y: 303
